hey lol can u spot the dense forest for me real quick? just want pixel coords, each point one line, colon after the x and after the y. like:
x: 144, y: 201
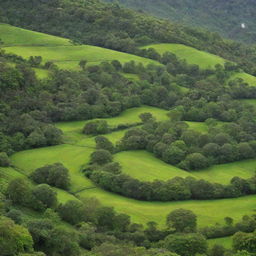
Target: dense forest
x: 95, y: 23
x: 224, y: 17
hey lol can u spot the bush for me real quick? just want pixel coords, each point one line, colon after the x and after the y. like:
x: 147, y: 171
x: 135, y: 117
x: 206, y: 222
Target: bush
x: 55, y: 175
x: 101, y: 157
x: 4, y: 160
x: 96, y: 127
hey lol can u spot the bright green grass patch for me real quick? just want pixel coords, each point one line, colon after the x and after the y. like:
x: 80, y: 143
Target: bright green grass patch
x: 198, y: 126
x: 223, y: 173
x: 41, y: 73
x: 208, y: 211
x: 226, y: 242
x: 191, y: 55
x: 68, y: 57
x: 145, y: 166
x: 129, y: 116
x: 13, y: 36
x: 71, y: 157
x: 251, y: 80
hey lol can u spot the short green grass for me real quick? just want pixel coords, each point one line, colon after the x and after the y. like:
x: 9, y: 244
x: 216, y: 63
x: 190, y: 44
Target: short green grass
x: 226, y: 242
x: 68, y: 57
x: 251, y: 80
x: 72, y: 157
x: 14, y: 36
x: 134, y: 164
x: 129, y: 116
x: 208, y: 211
x: 191, y: 55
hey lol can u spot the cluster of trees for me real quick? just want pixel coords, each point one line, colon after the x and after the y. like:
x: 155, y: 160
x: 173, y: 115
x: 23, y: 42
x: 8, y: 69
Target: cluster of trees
x: 55, y: 175
x: 246, y: 225
x: 99, y: 229
x: 107, y: 174
x: 117, y: 28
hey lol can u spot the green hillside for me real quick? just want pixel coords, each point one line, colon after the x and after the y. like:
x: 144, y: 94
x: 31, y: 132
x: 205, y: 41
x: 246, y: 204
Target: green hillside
x: 59, y: 50
x: 191, y: 55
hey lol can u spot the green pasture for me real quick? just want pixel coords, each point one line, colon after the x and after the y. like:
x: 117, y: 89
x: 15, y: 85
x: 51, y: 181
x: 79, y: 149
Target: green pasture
x: 72, y: 157
x: 191, y: 55
x: 249, y: 79
x: 144, y: 166
x: 129, y: 116
x: 198, y: 126
x: 208, y: 211
x: 226, y: 242
x: 68, y: 57
x: 133, y: 163
x: 14, y: 36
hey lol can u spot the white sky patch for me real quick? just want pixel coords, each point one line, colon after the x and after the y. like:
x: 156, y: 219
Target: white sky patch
x: 243, y: 25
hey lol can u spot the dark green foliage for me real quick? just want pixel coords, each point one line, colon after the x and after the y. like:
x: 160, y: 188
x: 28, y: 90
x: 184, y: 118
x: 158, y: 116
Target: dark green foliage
x: 104, y: 143
x: 101, y: 157
x: 224, y: 17
x: 182, y: 221
x: 244, y: 241
x: 55, y: 175
x: 96, y: 127
x: 4, y: 160
x: 46, y: 196
x: 186, y: 244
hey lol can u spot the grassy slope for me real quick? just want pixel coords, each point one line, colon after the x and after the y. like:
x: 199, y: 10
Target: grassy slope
x: 14, y: 36
x: 134, y: 164
x: 70, y: 156
x: 208, y: 211
x: 192, y: 55
x: 251, y: 80
x: 59, y: 50
x: 224, y: 241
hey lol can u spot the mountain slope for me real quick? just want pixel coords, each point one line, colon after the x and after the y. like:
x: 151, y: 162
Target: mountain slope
x: 221, y: 16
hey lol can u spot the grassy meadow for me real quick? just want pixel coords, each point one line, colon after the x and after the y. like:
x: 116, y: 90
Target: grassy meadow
x: 191, y: 55
x: 134, y: 164
x: 208, y: 211
x: 226, y: 242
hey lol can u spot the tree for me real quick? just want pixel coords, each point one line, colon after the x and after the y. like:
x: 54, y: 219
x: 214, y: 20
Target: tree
x: 101, y: 157
x: 186, y: 244
x: 104, y: 143
x: 96, y: 127
x: 55, y: 175
x: 14, y: 239
x: 244, y: 241
x: 182, y: 220
x: 82, y: 64
x: 195, y: 161
x: 173, y: 155
x: 46, y: 196
x: 145, y: 117
x: 4, y: 160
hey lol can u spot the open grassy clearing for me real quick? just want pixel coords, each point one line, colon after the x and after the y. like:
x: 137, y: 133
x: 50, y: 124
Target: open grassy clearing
x: 226, y: 242
x: 13, y: 36
x: 72, y: 157
x: 208, y: 211
x: 134, y: 164
x: 129, y: 116
x: 144, y: 166
x: 191, y: 55
x: 41, y: 73
x: 68, y: 57
x: 251, y: 80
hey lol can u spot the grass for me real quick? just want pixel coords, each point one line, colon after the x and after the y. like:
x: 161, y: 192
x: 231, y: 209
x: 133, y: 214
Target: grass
x: 208, y: 211
x: 68, y: 57
x: 251, y: 80
x: 134, y: 164
x: 224, y: 241
x: 14, y: 36
x: 198, y: 126
x: 129, y: 116
x: 70, y: 156
x: 191, y: 55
